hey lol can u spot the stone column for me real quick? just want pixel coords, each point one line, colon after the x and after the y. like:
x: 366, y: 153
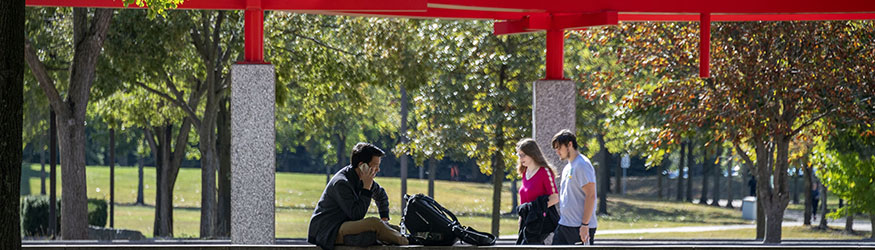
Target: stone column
x: 253, y: 154
x: 553, y: 110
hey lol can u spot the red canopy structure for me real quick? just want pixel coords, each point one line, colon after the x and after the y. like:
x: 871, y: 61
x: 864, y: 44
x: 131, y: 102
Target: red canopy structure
x: 521, y: 16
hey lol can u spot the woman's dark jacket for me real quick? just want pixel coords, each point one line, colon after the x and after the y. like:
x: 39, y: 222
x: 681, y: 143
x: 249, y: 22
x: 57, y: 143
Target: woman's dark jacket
x: 536, y: 221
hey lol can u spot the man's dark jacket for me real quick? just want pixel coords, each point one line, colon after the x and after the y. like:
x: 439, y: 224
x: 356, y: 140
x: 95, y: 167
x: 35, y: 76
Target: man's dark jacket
x: 344, y: 199
x: 537, y: 221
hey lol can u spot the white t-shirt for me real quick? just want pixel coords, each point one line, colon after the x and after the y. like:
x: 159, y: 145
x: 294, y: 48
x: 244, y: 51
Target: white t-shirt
x: 576, y: 174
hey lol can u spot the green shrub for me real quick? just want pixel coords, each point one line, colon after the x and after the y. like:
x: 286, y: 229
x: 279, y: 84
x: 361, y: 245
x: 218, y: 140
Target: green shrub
x: 35, y: 214
x: 97, y: 212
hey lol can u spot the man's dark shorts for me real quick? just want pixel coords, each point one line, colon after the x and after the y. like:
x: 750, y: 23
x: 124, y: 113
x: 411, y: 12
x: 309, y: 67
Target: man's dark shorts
x: 570, y: 235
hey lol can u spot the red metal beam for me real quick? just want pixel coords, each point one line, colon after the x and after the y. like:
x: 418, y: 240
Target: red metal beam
x: 638, y: 17
x: 337, y: 5
x: 253, y: 28
x: 511, y: 27
x: 705, y: 45
x: 671, y: 6
x: 555, y: 54
x: 543, y: 21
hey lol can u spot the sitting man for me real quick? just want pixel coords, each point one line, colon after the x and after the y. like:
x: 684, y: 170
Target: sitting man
x: 339, y: 218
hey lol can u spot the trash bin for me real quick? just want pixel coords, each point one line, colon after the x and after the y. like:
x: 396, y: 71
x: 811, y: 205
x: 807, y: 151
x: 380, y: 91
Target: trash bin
x: 749, y: 208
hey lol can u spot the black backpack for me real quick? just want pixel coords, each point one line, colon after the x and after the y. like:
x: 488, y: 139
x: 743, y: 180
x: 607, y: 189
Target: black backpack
x: 431, y: 224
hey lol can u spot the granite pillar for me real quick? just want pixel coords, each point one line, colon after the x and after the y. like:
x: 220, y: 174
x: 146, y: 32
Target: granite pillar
x: 553, y: 110
x: 253, y: 154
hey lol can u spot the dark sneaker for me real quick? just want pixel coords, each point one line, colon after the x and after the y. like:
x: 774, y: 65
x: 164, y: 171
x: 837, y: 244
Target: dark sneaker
x: 363, y: 239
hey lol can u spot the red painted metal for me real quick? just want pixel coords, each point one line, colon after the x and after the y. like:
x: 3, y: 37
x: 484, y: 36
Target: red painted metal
x: 555, y: 54
x: 670, y: 6
x: 337, y: 5
x: 542, y: 21
x: 253, y: 28
x: 705, y: 45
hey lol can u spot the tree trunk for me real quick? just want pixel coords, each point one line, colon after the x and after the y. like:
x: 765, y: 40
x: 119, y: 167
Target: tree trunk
x: 111, y: 178
x: 53, y: 171
x: 872, y: 222
x: 12, y: 104
x: 794, y: 187
x: 823, y: 207
x: 681, y: 165
x: 223, y: 124
x: 761, y: 219
x: 140, y: 180
x: 717, y: 171
x: 42, y: 172
x: 849, y: 223
x: 707, y: 167
x: 514, y: 194
x: 403, y: 135
x: 209, y: 164
x: 432, y: 171
x: 690, y: 163
x: 774, y: 199
x: 74, y: 209
x: 497, y: 178
x: 167, y: 164
x: 809, y: 200
x: 604, y: 173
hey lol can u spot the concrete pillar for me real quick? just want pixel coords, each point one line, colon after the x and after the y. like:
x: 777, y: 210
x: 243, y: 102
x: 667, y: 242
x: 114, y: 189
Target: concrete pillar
x: 253, y: 154
x: 553, y: 110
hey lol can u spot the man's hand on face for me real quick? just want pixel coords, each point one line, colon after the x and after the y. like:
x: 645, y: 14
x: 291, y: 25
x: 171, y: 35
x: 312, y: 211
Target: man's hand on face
x: 367, y: 177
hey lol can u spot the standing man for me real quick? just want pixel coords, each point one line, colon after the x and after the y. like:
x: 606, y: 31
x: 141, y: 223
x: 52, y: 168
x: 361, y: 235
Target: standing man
x: 577, y: 194
x: 339, y: 218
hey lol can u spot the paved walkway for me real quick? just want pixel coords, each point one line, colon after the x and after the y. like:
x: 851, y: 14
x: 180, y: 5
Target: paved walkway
x: 792, y: 218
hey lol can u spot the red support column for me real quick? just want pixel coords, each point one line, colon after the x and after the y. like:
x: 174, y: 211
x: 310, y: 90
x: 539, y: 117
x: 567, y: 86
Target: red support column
x: 555, y: 56
x: 254, y: 32
x: 705, y: 45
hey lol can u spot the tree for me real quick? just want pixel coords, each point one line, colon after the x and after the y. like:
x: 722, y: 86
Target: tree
x: 847, y: 164
x: 479, y: 99
x: 88, y: 40
x: 766, y: 89
x: 186, y: 61
x: 11, y: 101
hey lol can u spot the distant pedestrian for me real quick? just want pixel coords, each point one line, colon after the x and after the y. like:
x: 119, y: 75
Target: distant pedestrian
x: 752, y: 184
x: 815, y: 197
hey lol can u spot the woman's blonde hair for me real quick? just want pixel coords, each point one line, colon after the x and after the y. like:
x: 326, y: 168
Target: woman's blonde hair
x: 530, y: 148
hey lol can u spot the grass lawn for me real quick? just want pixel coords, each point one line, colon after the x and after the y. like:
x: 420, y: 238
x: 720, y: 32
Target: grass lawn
x: 296, y: 196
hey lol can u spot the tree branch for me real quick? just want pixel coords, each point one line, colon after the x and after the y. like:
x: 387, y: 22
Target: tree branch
x: 42, y: 76
x: 744, y: 156
x: 810, y: 121
x: 176, y: 102
x: 323, y: 44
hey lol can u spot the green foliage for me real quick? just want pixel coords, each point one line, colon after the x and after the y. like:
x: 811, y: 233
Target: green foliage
x: 846, y: 162
x: 156, y: 7
x: 332, y: 76
x: 97, y: 212
x: 478, y: 101
x: 35, y: 215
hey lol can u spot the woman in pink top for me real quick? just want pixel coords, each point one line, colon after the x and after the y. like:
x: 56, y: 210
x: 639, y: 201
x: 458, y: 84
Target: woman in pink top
x: 537, y: 175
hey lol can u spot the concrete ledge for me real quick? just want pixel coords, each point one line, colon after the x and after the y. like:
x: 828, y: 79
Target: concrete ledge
x: 298, y: 244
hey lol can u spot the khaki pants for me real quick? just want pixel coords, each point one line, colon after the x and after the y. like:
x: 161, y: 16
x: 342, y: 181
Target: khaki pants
x: 372, y: 224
